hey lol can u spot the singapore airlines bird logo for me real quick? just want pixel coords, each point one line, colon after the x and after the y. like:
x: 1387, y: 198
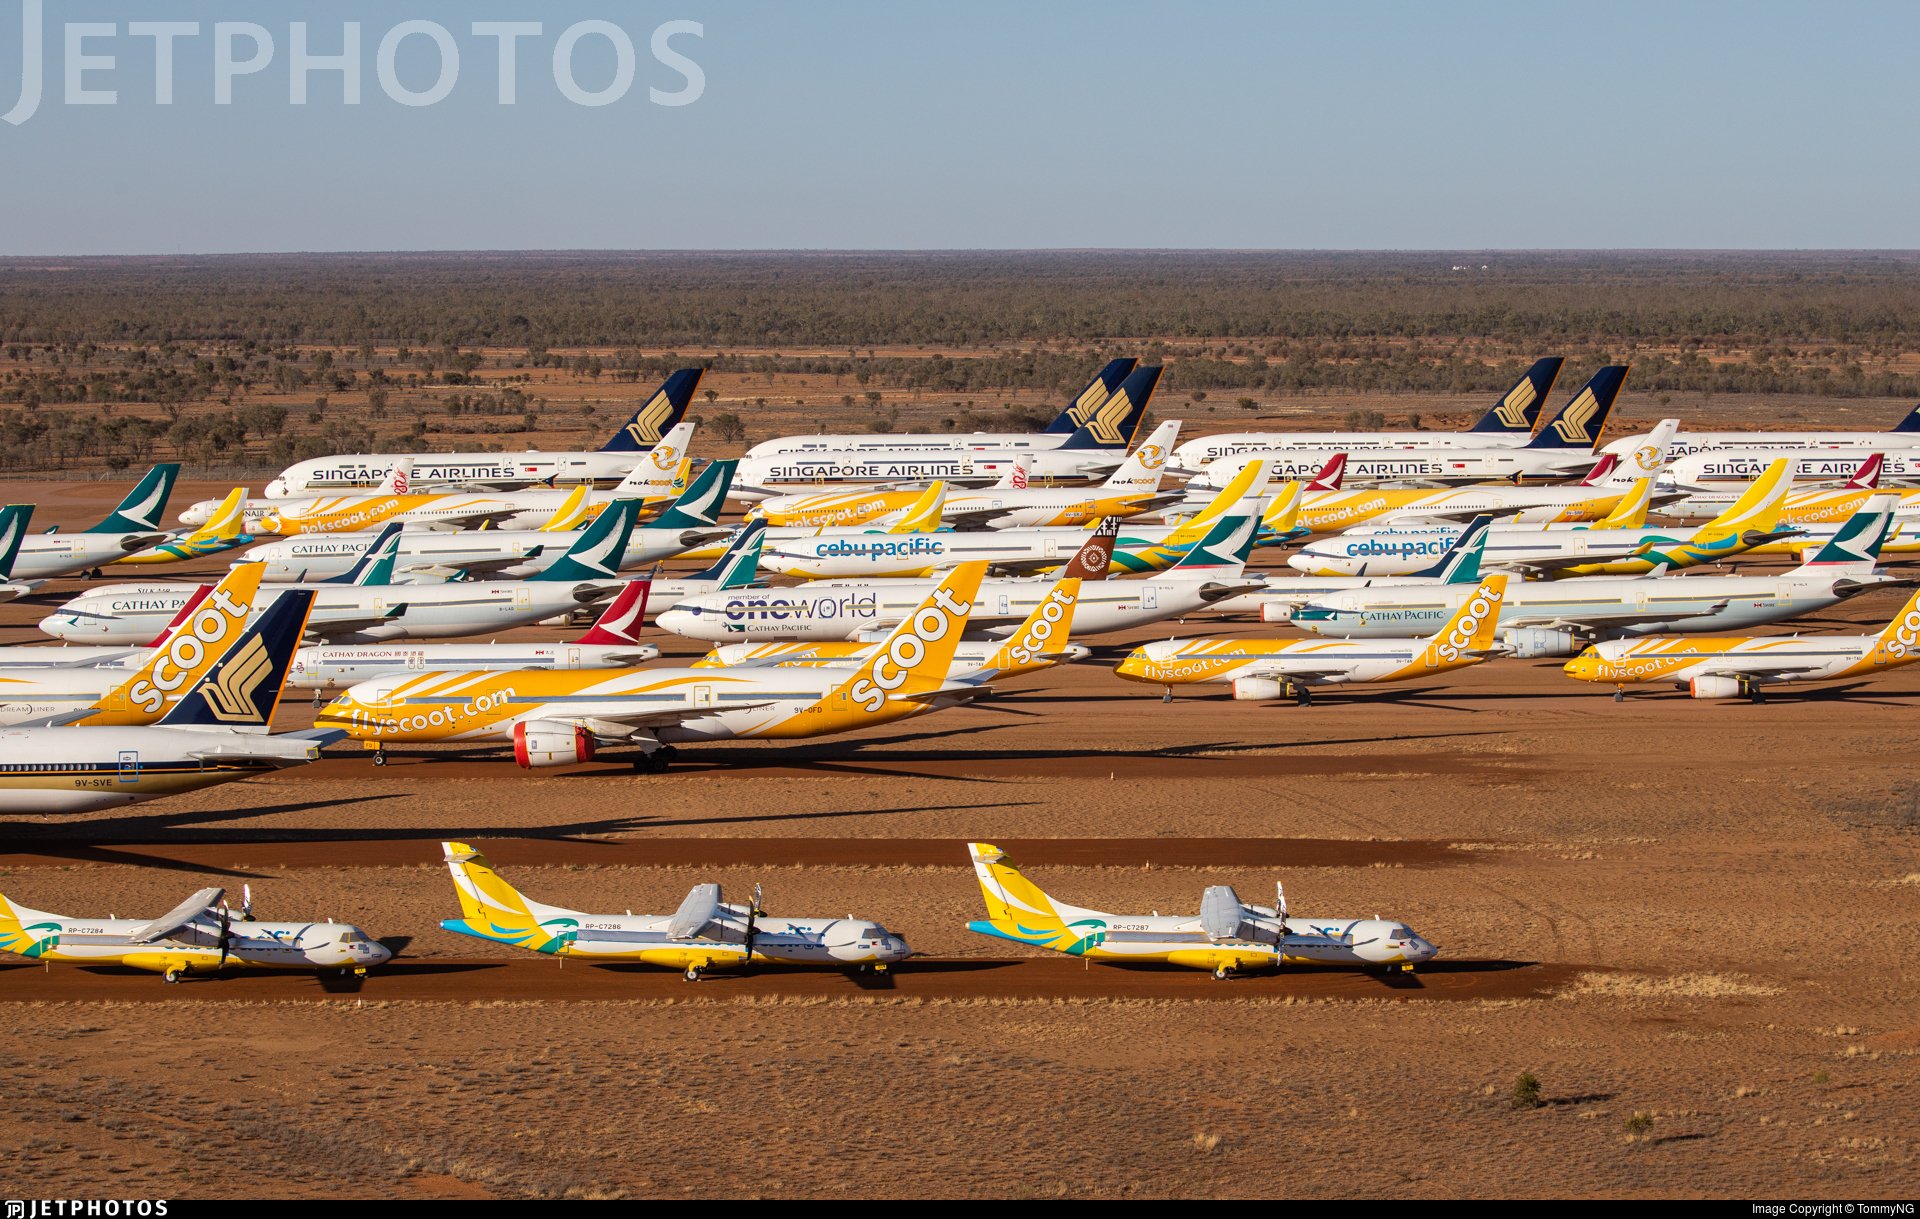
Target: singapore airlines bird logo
x: 1512, y: 411
x: 1571, y: 426
x: 646, y: 423
x: 230, y: 695
x: 1102, y: 416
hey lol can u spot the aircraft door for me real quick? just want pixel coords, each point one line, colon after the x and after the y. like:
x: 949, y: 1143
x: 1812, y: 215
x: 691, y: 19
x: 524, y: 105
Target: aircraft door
x: 1006, y: 605
x: 129, y: 765
x: 703, y: 697
x: 573, y: 658
x: 522, y: 596
x: 1149, y: 596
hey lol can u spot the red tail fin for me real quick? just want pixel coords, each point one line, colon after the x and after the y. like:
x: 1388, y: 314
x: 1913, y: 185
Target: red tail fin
x: 1601, y: 469
x: 622, y: 619
x: 1867, y: 477
x: 1328, y: 479
x: 193, y: 603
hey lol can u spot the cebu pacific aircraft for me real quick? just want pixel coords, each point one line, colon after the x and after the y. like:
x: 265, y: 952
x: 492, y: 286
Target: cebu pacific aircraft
x: 608, y: 464
x: 225, y: 530
x: 704, y: 933
x: 129, y: 529
x: 1093, y: 407
x: 199, y: 936
x: 558, y: 718
x: 1903, y: 435
x: 216, y: 732
x: 1228, y: 936
x: 1265, y: 669
x: 1743, y: 666
x: 1509, y: 421
x: 1132, y: 489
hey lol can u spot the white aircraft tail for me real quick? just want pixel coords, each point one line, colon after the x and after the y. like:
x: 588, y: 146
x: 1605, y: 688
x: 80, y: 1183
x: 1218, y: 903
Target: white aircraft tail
x: 1143, y: 467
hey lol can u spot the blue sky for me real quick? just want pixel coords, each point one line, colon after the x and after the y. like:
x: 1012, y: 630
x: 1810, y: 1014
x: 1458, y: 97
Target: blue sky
x: 862, y: 124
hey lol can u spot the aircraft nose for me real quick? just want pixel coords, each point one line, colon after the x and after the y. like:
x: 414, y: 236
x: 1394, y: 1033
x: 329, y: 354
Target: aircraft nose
x: 1136, y: 667
x: 678, y: 621
x: 1581, y: 667
x: 379, y: 953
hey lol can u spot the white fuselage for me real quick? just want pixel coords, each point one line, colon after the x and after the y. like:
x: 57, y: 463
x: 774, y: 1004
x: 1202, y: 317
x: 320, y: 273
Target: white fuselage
x: 1396, y: 552
x: 1386, y: 465
x: 323, y: 474
x: 45, y: 555
x: 1686, y: 444
x: 826, y: 469
x: 1025, y: 442
x: 853, y: 554
x: 1203, y: 450
x: 1714, y: 466
x: 317, y: 556
x: 79, y: 770
x: 333, y: 667
x: 195, y: 948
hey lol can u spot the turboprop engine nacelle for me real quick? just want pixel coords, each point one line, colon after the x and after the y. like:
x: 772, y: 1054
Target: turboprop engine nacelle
x: 1256, y: 689
x: 1716, y: 686
x: 1532, y: 642
x: 544, y: 743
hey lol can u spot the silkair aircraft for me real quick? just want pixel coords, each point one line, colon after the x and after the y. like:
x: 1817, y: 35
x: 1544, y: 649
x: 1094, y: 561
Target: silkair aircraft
x: 1509, y: 421
x: 129, y: 529
x: 1743, y: 666
x: 1560, y: 449
x: 1211, y: 571
x: 1094, y: 408
x: 612, y: 643
x: 705, y: 933
x: 1558, y: 618
x: 1264, y: 669
x: 216, y: 733
x: 556, y: 718
x: 1903, y: 435
x: 1227, y: 937
x: 587, y: 574
x: 609, y: 463
x: 1132, y: 489
x: 199, y: 936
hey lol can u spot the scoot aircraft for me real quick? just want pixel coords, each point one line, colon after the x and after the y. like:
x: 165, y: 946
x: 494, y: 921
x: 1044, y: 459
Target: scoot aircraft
x: 586, y: 574
x: 1132, y: 489
x: 218, y: 731
x: 612, y: 643
x: 1212, y: 571
x: 1558, y: 551
x: 1227, y: 937
x: 82, y: 690
x: 1559, y: 618
x: 225, y: 530
x: 1812, y: 506
x: 558, y: 718
x: 128, y: 529
x: 1509, y: 421
x: 432, y: 555
x: 1266, y: 669
x: 1903, y: 435
x: 1560, y: 449
x: 199, y: 936
x: 1744, y: 666
x: 704, y: 933
x: 610, y: 463
x: 1088, y: 453
x: 1040, y: 642
x: 1093, y: 407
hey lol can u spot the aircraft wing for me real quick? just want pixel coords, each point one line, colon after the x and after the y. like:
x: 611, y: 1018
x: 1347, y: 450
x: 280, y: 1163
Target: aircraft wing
x: 1025, y: 567
x: 1607, y: 621
x: 963, y: 692
x: 701, y: 907
x: 484, y: 519
x: 971, y: 519
x: 623, y: 727
x: 346, y: 626
x: 140, y: 541
x: 1762, y: 669
x: 173, y: 920
x: 1552, y: 563
x: 471, y: 567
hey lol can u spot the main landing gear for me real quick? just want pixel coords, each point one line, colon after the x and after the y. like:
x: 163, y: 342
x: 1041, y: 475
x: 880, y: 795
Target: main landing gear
x: 656, y: 763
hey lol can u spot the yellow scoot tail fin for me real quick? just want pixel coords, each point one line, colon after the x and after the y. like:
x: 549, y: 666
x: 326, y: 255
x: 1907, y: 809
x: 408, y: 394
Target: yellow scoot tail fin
x: 177, y: 665
x: 571, y: 514
x: 1900, y: 638
x: 1283, y: 515
x: 1758, y: 508
x: 1631, y: 511
x: 916, y: 657
x: 1043, y: 637
x: 923, y: 515
x: 1468, y: 635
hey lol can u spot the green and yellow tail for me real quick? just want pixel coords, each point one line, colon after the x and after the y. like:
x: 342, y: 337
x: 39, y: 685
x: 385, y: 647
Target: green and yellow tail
x: 492, y: 909
x: 1019, y: 910
x: 20, y: 935
x: 1758, y: 509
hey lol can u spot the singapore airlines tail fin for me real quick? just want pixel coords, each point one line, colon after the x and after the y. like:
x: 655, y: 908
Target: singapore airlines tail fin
x: 620, y: 622
x: 1467, y: 638
x: 1143, y: 467
x: 1519, y: 408
x: 191, y: 647
x: 1909, y: 424
x: 145, y: 505
x: 1113, y: 423
x: 1631, y: 511
x: 923, y: 515
x: 1088, y: 402
x: 651, y: 423
x: 1583, y: 421
x: 1018, y: 909
x: 242, y: 689
x: 492, y: 909
x: 701, y: 504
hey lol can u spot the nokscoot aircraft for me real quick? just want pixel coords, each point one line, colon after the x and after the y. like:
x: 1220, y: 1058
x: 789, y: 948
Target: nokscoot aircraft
x: 1212, y: 571
x: 1509, y: 421
x: 558, y: 718
x: 1264, y: 669
x: 199, y: 936
x: 704, y: 933
x: 217, y: 732
x: 1743, y: 666
x: 1228, y: 936
x: 128, y: 529
x: 609, y: 463
x: 1903, y: 435
x: 1093, y: 407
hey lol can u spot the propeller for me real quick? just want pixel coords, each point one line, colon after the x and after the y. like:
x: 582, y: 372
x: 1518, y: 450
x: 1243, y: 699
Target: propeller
x: 226, y: 936
x: 753, y: 912
x: 246, y: 903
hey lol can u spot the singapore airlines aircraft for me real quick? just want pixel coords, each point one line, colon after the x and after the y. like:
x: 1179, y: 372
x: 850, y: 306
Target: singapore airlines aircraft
x: 1264, y: 669
x: 1227, y: 937
x: 496, y: 471
x: 129, y: 529
x: 704, y: 933
x: 1091, y: 408
x: 1743, y: 666
x: 1903, y: 435
x: 1510, y: 421
x: 199, y: 936
x: 558, y: 718
x: 217, y: 732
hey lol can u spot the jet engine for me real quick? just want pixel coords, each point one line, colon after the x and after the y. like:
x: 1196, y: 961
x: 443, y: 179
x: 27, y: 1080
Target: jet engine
x: 1257, y: 689
x: 1532, y: 642
x: 1715, y: 686
x: 545, y: 743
